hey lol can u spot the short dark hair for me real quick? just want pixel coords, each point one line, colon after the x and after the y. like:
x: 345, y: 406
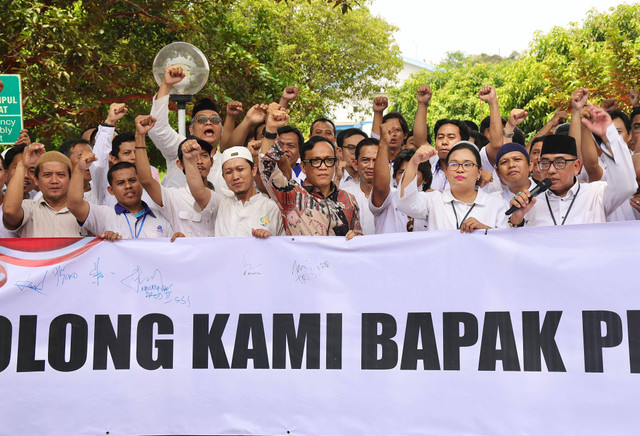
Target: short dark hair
x: 204, y: 104
x: 203, y: 144
x: 618, y: 114
x: 67, y: 146
x: 486, y: 123
x: 534, y: 141
x: 366, y: 142
x: 518, y: 136
x: 118, y: 140
x: 424, y: 167
x: 473, y: 127
x: 12, y: 153
x: 398, y: 116
x: 256, y: 128
x: 117, y: 167
x: 466, y: 146
x: 290, y: 129
x: 322, y: 120
x: 348, y: 133
x: 634, y: 112
x: 479, y: 139
x: 307, y: 146
x: 462, y: 127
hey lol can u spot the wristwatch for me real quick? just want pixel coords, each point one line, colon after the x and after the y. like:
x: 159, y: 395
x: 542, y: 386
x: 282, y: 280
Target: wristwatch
x: 269, y: 135
x: 508, y: 135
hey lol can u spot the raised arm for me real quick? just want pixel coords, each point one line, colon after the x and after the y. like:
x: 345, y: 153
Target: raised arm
x: 381, y: 171
x: 75, y: 199
x: 190, y: 152
x: 380, y: 104
x: 516, y: 117
x: 102, y: 149
x: 558, y: 118
x: 12, y: 211
x: 488, y: 95
x: 144, y: 123
x: 163, y: 136
x: 289, y: 94
x: 420, y: 125
x: 234, y: 109
x: 408, y: 200
x: 588, y: 149
x: 271, y: 152
x: 254, y: 116
x: 579, y: 98
x: 621, y: 176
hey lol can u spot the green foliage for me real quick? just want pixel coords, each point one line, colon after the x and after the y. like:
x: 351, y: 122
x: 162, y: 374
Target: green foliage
x: 77, y: 57
x: 602, y: 54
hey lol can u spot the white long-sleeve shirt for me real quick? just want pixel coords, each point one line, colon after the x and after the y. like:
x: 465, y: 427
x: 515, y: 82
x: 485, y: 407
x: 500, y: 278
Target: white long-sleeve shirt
x: 587, y: 203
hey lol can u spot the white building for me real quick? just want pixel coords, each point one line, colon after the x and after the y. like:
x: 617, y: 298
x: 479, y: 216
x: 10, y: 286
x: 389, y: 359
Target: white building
x: 346, y: 118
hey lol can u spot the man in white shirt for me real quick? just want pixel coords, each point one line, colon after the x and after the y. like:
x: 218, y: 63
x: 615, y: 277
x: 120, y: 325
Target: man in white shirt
x: 513, y: 169
x: 130, y: 218
x: 248, y: 212
x: 205, y: 124
x: 49, y: 215
x: 177, y: 203
x: 569, y: 201
x: 365, y: 160
x: 347, y: 141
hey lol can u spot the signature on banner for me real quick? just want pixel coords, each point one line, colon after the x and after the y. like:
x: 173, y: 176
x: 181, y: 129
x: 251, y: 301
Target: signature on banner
x: 153, y: 287
x: 304, y: 273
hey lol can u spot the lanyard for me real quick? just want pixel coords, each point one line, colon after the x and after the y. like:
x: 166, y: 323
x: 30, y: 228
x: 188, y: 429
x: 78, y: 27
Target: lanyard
x: 568, y: 210
x: 137, y: 234
x: 465, y: 217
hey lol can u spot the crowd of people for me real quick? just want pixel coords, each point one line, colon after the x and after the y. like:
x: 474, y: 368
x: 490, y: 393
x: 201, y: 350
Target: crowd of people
x: 259, y: 177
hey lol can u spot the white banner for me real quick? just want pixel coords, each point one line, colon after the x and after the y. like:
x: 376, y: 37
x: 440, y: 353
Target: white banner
x: 516, y: 331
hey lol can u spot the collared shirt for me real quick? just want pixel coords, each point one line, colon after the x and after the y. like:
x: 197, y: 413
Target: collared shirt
x: 367, y: 221
x: 587, y: 203
x: 439, y: 179
x: 347, y: 181
x: 305, y: 211
x: 496, y: 185
x: 444, y: 212
x: 389, y: 219
x: 507, y: 195
x: 42, y: 221
x: 238, y: 219
x: 184, y: 214
x: 118, y: 219
x: 297, y: 174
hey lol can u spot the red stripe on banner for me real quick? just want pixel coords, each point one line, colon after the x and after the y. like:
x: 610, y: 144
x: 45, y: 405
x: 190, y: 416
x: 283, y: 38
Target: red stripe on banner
x: 47, y: 262
x: 34, y: 245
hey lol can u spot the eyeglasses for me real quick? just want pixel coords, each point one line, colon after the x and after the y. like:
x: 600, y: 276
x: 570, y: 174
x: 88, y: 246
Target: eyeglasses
x: 560, y: 163
x: 316, y: 162
x: 351, y: 148
x: 465, y: 165
x: 214, y: 120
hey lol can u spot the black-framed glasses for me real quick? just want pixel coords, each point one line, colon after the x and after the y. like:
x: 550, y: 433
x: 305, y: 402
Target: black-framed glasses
x: 465, y: 165
x: 559, y: 163
x: 351, y: 148
x: 213, y: 119
x: 317, y: 162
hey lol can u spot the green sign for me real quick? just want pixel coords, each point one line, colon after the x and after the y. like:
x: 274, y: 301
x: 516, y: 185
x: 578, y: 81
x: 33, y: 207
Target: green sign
x: 10, y: 108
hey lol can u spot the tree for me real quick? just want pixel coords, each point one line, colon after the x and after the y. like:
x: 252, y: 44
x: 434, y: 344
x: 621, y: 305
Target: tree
x: 76, y: 57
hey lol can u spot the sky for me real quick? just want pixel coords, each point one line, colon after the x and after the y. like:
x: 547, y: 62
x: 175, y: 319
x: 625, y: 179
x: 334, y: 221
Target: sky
x: 428, y: 29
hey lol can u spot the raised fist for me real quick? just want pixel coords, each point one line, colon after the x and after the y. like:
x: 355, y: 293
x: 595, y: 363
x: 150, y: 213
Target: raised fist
x: 234, y: 109
x: 290, y: 93
x: 579, y: 98
x: 380, y: 104
x: 424, y: 153
x: 144, y: 123
x: 609, y: 104
x: 599, y: 121
x: 487, y: 93
x: 173, y: 74
x: 85, y: 161
x: 116, y: 111
x: 257, y: 114
x: 424, y: 94
x: 276, y: 117
x: 634, y: 97
x: 517, y: 116
x: 190, y: 150
x: 559, y: 118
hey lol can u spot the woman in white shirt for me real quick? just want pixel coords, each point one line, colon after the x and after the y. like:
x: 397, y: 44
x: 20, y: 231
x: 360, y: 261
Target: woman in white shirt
x: 462, y: 205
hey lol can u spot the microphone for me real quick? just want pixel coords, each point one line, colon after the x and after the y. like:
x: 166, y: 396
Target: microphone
x: 539, y: 189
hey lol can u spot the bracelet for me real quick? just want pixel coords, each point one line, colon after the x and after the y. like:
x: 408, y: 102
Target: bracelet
x: 515, y: 225
x: 105, y: 124
x: 269, y: 135
x: 142, y: 148
x: 508, y: 135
